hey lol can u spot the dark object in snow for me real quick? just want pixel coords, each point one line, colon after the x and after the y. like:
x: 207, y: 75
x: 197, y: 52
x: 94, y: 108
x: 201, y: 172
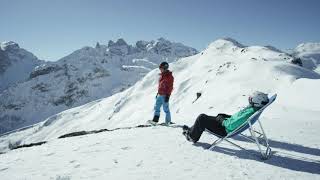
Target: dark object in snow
x: 297, y: 61
x: 79, y: 133
x: 198, y: 96
x: 29, y: 145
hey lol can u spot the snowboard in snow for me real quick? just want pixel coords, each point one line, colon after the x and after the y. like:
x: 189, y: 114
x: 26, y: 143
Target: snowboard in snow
x: 172, y: 124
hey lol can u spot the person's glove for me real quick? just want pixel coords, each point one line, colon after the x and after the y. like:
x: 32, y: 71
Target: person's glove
x: 166, y: 99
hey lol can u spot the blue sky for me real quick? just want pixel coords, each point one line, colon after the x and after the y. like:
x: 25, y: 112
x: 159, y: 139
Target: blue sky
x: 52, y: 29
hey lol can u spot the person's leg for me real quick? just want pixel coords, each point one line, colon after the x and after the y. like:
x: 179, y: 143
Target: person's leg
x: 157, y: 107
x: 206, y: 122
x: 167, y: 111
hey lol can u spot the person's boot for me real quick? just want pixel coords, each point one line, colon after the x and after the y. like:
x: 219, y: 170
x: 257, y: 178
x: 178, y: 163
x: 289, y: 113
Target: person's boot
x: 185, y: 129
x: 186, y: 133
x: 155, y: 120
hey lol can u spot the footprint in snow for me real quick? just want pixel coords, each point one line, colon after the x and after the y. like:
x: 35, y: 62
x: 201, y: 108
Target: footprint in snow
x: 3, y: 169
x: 140, y: 163
x: 126, y: 148
x: 49, y: 154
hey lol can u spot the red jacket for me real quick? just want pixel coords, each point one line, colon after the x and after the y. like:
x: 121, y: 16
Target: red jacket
x: 165, y: 83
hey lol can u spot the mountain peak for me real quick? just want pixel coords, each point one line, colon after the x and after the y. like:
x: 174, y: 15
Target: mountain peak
x: 232, y: 41
x: 119, y: 42
x: 273, y: 48
x: 9, y: 45
x: 110, y: 43
x: 226, y: 42
x: 142, y: 44
x: 308, y: 47
x: 161, y: 39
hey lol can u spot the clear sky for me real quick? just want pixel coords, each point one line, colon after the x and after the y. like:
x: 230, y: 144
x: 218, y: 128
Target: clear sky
x: 52, y: 29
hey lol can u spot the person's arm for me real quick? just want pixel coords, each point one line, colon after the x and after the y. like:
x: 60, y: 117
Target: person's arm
x: 237, y: 119
x: 169, y: 88
x: 224, y: 115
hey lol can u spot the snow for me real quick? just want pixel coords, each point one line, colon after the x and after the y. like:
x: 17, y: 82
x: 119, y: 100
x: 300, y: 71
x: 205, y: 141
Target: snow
x: 309, y: 53
x: 304, y: 92
x: 156, y: 153
x: 308, y: 47
x: 225, y: 73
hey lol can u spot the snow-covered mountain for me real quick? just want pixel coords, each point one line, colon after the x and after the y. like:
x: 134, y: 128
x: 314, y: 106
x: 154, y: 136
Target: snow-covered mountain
x: 85, y: 75
x: 224, y: 73
x: 15, y: 64
x: 309, y: 54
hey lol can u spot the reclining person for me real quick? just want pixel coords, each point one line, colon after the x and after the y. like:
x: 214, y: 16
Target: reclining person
x: 222, y: 124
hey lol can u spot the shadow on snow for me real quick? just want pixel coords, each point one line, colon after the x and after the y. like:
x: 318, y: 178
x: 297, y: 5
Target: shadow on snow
x: 279, y: 159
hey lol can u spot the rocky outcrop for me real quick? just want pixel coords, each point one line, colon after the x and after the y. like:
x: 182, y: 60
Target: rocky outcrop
x: 4, y: 61
x: 44, y: 69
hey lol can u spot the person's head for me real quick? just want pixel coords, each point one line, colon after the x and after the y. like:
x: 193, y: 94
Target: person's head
x: 164, y: 66
x: 258, y: 99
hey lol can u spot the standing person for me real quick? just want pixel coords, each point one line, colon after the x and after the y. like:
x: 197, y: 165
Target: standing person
x: 222, y: 124
x: 164, y: 91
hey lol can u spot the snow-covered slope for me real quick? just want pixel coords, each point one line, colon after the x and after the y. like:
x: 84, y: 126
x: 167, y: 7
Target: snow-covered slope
x: 159, y: 153
x: 309, y: 53
x: 15, y: 64
x: 81, y: 77
x: 225, y: 73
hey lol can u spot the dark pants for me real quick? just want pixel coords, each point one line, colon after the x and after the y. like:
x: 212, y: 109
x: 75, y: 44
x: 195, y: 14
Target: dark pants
x: 207, y: 122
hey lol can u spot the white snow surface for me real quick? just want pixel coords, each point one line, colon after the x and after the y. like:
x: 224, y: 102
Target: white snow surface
x: 225, y: 73
x: 309, y: 53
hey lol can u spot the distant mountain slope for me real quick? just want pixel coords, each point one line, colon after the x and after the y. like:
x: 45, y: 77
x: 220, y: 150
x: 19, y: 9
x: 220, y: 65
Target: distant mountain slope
x: 309, y: 53
x: 15, y: 64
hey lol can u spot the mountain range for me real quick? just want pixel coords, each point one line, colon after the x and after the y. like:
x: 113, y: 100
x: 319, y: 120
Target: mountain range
x: 34, y: 90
